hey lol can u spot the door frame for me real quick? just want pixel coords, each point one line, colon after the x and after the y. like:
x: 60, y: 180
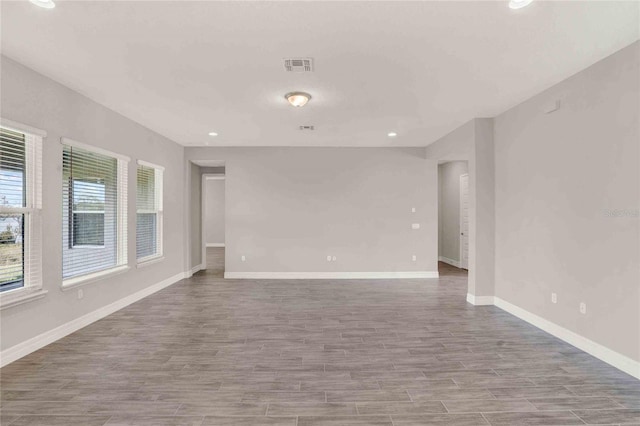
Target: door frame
x: 203, y: 206
x: 460, y: 236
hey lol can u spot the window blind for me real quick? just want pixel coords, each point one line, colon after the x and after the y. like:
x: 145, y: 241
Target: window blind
x: 20, y: 209
x: 93, y: 211
x: 149, y: 211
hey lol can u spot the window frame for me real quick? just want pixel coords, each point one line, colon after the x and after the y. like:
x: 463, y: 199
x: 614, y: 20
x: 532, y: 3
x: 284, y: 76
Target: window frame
x: 32, y: 287
x: 122, y: 262
x: 159, y: 212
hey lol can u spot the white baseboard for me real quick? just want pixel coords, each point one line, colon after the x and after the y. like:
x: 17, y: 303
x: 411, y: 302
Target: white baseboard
x: 603, y: 353
x: 16, y: 352
x: 193, y: 270
x: 448, y: 261
x: 330, y: 275
x: 480, y: 300
x: 215, y: 244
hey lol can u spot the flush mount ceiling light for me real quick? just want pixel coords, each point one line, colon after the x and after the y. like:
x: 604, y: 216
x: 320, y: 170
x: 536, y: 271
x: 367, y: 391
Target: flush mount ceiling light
x: 46, y: 4
x: 213, y: 134
x: 392, y: 134
x: 519, y: 4
x: 297, y: 99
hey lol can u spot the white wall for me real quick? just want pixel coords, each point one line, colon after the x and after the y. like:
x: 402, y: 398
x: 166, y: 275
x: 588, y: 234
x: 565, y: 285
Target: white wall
x: 214, y: 211
x: 482, y: 211
x: 449, y: 208
x: 288, y: 208
x: 33, y: 99
x: 456, y: 145
x: 557, y: 177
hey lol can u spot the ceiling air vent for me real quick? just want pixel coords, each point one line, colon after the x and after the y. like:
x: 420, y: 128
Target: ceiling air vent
x: 298, y: 64
x: 307, y: 128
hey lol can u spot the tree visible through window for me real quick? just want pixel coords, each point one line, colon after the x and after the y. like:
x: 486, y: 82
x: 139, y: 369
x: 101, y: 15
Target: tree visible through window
x: 12, y: 196
x: 20, y: 204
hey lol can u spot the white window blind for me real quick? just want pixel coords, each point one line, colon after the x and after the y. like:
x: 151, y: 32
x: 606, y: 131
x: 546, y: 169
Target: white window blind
x: 94, y: 210
x: 20, y: 210
x: 149, y: 211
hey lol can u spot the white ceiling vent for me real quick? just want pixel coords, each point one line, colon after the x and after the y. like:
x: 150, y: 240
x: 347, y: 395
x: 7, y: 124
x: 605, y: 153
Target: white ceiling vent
x: 307, y: 128
x: 298, y: 64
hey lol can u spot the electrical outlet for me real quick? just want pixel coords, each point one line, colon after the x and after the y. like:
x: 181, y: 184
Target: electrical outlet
x: 329, y: 258
x: 583, y: 308
x: 80, y: 293
x: 554, y: 298
x: 415, y: 226
x: 414, y: 257
x: 243, y: 258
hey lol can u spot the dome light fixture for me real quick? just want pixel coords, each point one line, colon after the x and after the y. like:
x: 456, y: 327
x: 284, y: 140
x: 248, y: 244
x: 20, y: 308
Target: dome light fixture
x: 297, y: 99
x: 45, y: 4
x: 519, y: 4
x: 392, y: 134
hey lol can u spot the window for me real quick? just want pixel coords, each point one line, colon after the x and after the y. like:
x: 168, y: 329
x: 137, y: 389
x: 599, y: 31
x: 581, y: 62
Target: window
x: 87, y: 219
x: 20, y: 209
x: 94, y: 203
x: 149, y: 212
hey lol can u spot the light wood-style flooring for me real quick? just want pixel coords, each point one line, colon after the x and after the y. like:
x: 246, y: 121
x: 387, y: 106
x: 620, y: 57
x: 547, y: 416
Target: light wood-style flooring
x: 209, y: 351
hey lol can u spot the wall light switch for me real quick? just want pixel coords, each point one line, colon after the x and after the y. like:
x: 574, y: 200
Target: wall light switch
x: 413, y: 209
x: 583, y: 308
x: 328, y: 258
x: 80, y: 293
x: 243, y: 258
x: 414, y: 257
x: 333, y: 258
x: 415, y: 226
x: 554, y: 298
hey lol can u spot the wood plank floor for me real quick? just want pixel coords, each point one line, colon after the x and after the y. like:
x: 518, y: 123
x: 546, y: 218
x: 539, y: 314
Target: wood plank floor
x: 208, y: 351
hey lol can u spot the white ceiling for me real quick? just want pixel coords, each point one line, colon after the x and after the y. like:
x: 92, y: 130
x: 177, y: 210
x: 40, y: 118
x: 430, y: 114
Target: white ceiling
x: 209, y: 163
x: 421, y: 69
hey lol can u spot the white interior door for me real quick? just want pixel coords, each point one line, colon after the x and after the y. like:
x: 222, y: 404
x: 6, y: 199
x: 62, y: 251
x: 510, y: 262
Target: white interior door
x: 464, y: 221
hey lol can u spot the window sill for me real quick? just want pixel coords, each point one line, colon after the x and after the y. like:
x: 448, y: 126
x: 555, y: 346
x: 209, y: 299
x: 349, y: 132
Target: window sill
x: 93, y: 277
x: 149, y: 261
x: 19, y: 296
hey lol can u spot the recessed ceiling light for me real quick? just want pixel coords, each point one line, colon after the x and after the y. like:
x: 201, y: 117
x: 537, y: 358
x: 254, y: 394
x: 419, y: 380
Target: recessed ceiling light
x: 46, y: 4
x: 392, y: 134
x: 213, y: 134
x: 519, y: 4
x: 297, y: 99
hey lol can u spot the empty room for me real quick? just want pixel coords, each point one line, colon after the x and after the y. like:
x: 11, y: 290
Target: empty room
x: 319, y: 213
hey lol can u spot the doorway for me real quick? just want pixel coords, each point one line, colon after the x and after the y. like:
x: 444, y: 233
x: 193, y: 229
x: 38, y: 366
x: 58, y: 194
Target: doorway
x: 213, y: 224
x: 453, y: 217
